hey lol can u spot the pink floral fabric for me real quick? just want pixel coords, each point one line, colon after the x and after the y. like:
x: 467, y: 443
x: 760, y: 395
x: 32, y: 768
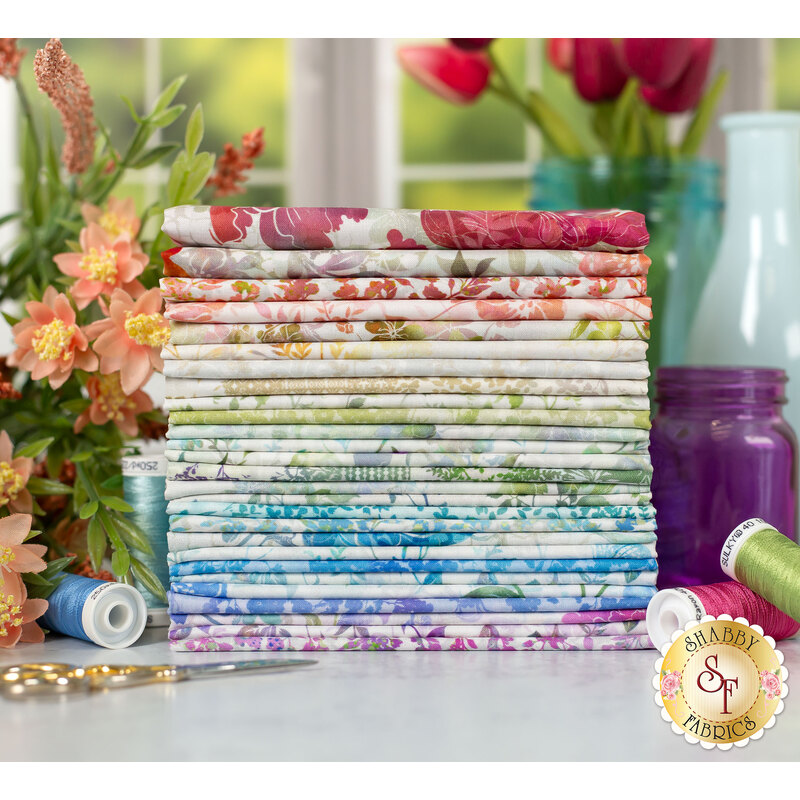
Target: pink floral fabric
x: 404, y: 229
x: 221, y: 262
x: 350, y: 310
x: 489, y: 288
x: 386, y: 331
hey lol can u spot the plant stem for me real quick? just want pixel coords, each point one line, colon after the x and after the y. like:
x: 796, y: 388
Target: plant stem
x: 28, y: 112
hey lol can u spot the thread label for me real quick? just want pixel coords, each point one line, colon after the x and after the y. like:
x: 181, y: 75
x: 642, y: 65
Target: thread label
x: 144, y: 465
x: 720, y: 683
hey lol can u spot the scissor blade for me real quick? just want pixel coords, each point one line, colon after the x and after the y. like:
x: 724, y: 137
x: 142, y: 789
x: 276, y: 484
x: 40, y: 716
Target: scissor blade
x: 236, y: 667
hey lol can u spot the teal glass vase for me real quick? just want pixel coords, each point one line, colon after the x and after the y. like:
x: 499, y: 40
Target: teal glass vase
x: 682, y: 204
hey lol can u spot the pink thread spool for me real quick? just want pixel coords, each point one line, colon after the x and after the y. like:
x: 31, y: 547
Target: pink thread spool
x: 671, y: 609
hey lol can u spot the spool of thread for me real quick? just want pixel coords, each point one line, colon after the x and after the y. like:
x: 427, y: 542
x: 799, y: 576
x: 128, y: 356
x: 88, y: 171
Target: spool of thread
x: 671, y: 610
x: 766, y: 561
x: 110, y: 614
x: 144, y: 480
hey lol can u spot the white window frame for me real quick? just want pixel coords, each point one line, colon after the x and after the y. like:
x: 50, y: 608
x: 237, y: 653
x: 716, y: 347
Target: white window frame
x: 343, y: 120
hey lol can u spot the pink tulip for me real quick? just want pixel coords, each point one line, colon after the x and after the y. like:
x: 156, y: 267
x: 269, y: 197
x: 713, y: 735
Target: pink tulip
x: 656, y: 62
x: 471, y: 44
x: 597, y: 74
x: 561, y: 54
x: 686, y: 92
x: 450, y: 73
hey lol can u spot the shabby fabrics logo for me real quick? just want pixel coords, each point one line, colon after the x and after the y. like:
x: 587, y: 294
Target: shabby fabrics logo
x: 720, y: 682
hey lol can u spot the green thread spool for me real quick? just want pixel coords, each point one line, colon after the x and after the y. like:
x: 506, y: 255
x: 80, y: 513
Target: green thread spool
x: 144, y: 481
x: 766, y: 561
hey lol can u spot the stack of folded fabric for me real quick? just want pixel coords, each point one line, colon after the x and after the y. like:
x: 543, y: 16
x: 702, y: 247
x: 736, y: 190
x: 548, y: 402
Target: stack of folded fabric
x: 396, y: 429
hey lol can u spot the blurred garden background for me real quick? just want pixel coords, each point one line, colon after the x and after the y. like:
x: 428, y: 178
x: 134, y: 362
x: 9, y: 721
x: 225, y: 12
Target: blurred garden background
x: 440, y: 155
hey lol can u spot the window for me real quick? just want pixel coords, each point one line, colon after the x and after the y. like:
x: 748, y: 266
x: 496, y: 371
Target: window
x: 242, y: 84
x: 786, y: 68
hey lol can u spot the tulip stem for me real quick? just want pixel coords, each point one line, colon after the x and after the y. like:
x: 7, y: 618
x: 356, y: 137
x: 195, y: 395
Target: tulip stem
x: 508, y: 90
x: 552, y: 126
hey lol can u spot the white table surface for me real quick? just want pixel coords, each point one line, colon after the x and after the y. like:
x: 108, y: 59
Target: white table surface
x: 373, y: 706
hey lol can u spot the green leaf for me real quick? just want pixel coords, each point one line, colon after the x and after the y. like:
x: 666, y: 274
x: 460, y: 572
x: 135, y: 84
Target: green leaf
x: 655, y: 124
x: 177, y: 176
x: 79, y: 458
x: 11, y: 320
x: 154, y: 155
x: 133, y: 535
x: 46, y: 486
x: 136, y: 118
x: 89, y: 509
x: 34, y: 448
x: 34, y: 579
x: 114, y: 482
x: 197, y: 177
x: 555, y: 128
x: 9, y: 217
x: 195, y: 129
x: 76, y: 405
x: 148, y: 579
x: 601, y: 121
x: 163, y: 119
x: 120, y: 562
x: 621, y: 118
x: 117, y: 503
x: 698, y: 127
x: 96, y: 542
x: 168, y: 95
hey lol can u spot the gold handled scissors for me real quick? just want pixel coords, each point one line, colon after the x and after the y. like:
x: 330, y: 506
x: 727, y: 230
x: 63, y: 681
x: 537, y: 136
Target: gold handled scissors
x: 29, y: 680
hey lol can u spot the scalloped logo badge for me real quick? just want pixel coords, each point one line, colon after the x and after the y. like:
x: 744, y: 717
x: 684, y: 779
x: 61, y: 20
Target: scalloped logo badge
x: 720, y: 682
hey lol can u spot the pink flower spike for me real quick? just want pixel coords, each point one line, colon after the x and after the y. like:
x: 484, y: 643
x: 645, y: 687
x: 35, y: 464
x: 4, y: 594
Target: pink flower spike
x: 63, y: 82
x: 686, y: 92
x: 452, y: 74
x: 656, y: 62
x: 597, y: 74
x: 130, y: 339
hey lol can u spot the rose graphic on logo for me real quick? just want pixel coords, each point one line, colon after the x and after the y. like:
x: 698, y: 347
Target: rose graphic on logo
x: 671, y: 684
x: 770, y: 684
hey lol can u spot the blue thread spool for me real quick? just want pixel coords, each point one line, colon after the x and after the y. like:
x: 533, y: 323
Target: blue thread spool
x: 110, y: 614
x: 144, y: 480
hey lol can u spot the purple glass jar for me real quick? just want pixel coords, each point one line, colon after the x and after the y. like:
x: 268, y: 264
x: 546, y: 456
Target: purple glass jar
x: 722, y: 453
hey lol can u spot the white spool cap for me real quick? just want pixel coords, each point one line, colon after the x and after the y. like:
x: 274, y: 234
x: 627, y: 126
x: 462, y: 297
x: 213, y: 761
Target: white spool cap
x: 114, y: 615
x: 671, y: 610
x: 735, y: 542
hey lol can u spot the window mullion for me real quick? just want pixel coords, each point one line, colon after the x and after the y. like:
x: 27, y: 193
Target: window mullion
x: 342, y: 123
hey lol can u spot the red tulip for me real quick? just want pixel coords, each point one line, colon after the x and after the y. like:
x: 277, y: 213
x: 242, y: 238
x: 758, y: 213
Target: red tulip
x: 561, y: 54
x: 471, y: 44
x: 597, y: 74
x: 686, y: 92
x: 450, y: 73
x: 656, y: 62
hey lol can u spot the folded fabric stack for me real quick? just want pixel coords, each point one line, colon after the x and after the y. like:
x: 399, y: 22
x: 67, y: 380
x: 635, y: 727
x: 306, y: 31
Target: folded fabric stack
x: 396, y: 429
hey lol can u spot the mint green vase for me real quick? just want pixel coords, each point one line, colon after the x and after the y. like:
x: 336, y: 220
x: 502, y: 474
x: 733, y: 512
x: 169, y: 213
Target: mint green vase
x: 682, y: 204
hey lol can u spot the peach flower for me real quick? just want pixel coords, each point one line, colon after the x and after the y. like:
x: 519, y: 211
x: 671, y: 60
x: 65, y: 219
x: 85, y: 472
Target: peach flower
x: 119, y: 218
x: 129, y: 341
x: 18, y: 612
x: 111, y: 404
x: 103, y: 265
x: 14, y: 474
x: 49, y: 343
x: 15, y: 556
